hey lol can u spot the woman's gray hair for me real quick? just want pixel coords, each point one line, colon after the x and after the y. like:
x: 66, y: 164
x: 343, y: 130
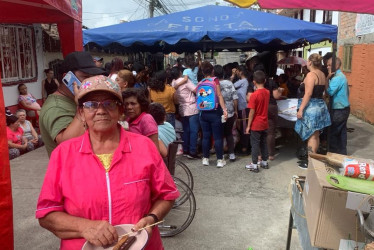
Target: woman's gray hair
x: 20, y: 110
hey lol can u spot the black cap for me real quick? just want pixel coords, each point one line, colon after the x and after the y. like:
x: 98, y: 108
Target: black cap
x: 81, y: 60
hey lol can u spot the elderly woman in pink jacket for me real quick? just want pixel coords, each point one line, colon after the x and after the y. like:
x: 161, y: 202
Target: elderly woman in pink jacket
x: 96, y: 181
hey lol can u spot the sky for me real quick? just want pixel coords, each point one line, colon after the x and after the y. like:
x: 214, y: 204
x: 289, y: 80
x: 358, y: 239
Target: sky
x: 99, y: 13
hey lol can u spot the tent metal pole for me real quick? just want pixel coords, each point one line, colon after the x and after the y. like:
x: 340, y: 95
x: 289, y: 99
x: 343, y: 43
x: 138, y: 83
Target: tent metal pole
x: 6, y: 200
x: 333, y: 69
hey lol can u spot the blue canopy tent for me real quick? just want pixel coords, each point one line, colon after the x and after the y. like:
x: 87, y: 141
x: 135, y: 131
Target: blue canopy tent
x: 210, y: 27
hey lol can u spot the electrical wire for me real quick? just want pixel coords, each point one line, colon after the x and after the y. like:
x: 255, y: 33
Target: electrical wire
x: 129, y: 19
x: 86, y: 12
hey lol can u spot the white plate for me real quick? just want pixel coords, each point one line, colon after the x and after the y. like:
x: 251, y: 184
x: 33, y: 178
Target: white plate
x: 140, y: 242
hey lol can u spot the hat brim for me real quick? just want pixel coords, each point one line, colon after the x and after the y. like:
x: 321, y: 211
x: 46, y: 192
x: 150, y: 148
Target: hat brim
x: 102, y: 90
x: 93, y: 71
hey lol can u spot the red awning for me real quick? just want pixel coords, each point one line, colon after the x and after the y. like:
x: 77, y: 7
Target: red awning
x: 40, y: 11
x: 68, y: 16
x: 360, y: 6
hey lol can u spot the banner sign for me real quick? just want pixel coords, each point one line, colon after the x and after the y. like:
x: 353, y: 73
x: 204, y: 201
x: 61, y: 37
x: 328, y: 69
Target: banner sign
x: 364, y: 24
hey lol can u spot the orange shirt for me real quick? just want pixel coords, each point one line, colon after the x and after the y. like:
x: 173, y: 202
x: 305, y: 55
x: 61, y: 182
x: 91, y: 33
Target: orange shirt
x: 165, y: 98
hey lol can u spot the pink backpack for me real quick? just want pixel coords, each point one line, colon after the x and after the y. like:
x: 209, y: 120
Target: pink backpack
x: 207, y: 98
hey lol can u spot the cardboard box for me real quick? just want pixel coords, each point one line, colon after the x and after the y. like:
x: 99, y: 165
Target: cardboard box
x: 328, y: 218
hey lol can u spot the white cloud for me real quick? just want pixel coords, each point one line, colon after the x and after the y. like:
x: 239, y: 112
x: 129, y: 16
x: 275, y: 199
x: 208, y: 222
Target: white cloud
x: 98, y: 13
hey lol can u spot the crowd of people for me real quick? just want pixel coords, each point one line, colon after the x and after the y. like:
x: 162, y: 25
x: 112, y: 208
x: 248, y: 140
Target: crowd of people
x: 228, y: 109
x: 204, y: 131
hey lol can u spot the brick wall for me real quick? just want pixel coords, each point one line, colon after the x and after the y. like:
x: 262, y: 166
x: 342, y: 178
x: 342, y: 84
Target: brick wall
x: 346, y: 26
x: 361, y: 77
x: 361, y: 81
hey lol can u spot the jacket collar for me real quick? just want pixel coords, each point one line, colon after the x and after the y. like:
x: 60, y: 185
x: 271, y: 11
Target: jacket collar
x: 138, y: 119
x: 124, y: 142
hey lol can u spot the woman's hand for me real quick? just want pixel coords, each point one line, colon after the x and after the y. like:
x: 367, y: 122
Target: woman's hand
x: 299, y: 114
x: 225, y: 113
x: 148, y: 220
x: 76, y: 91
x: 99, y: 233
x: 233, y: 73
x: 24, y: 146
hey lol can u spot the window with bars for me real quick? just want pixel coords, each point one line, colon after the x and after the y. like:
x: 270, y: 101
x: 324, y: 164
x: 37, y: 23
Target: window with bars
x: 347, y: 57
x: 327, y: 17
x: 17, y: 54
x: 313, y: 16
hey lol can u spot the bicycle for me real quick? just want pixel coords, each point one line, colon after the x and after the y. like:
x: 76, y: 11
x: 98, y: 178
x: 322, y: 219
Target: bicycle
x: 182, y: 213
x: 184, y: 208
x: 176, y: 167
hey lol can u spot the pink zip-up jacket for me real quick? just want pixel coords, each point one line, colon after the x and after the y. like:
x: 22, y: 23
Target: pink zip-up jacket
x: 77, y: 183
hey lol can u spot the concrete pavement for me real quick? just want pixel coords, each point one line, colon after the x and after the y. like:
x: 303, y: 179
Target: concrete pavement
x: 236, y: 209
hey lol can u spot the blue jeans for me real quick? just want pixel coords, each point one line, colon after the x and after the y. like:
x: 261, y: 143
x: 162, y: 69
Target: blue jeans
x: 210, y: 122
x: 190, y: 132
x: 338, y: 131
x: 170, y: 118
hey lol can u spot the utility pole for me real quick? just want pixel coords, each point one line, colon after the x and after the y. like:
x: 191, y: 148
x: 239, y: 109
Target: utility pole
x: 151, y: 8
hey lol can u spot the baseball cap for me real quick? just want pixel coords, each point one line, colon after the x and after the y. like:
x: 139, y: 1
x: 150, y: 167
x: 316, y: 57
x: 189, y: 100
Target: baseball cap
x: 96, y: 58
x: 99, y: 83
x: 81, y: 60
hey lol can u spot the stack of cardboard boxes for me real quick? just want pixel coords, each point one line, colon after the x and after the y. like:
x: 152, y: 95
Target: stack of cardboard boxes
x: 331, y: 212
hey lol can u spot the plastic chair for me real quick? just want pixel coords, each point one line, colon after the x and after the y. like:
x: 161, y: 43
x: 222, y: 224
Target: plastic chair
x: 176, y: 167
x: 184, y: 208
x: 170, y: 159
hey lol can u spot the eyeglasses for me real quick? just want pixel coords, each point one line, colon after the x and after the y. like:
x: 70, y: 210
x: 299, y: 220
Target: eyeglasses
x: 92, y: 106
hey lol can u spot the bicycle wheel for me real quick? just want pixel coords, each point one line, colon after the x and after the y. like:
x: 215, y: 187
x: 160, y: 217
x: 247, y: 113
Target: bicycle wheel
x: 181, y: 215
x: 183, y: 173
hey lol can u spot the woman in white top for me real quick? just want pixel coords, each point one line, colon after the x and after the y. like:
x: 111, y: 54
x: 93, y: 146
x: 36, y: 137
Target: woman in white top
x: 28, y: 130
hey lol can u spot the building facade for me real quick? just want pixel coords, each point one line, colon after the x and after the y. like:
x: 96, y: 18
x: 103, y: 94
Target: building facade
x: 356, y: 49
x: 23, y: 58
x: 316, y: 16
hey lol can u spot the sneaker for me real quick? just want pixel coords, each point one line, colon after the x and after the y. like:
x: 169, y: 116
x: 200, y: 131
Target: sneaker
x: 303, y: 165
x: 221, y: 163
x: 252, y: 167
x: 206, y: 161
x: 264, y: 164
x: 193, y: 156
x: 185, y: 153
x: 232, y: 157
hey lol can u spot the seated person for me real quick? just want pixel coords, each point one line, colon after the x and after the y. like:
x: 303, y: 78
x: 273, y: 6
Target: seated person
x: 28, y: 130
x: 17, y: 143
x: 27, y: 100
x: 166, y: 132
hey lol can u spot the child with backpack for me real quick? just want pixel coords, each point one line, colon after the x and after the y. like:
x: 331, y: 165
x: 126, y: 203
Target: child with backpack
x: 258, y: 122
x: 211, y: 105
